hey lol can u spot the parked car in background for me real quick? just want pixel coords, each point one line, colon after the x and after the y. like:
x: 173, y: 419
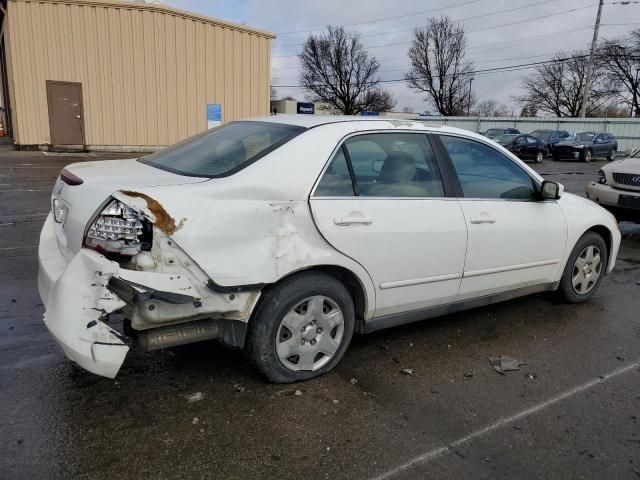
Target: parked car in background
x: 229, y: 236
x: 494, y: 132
x: 524, y: 146
x: 618, y: 188
x: 586, y: 146
x: 550, y: 138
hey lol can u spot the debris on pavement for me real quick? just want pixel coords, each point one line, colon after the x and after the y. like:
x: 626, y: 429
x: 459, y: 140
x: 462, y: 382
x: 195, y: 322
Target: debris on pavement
x: 298, y: 393
x: 407, y: 371
x: 354, y: 381
x: 195, y: 421
x: 503, y: 363
x: 467, y: 376
x: 239, y: 387
x: 195, y: 397
x: 531, y: 375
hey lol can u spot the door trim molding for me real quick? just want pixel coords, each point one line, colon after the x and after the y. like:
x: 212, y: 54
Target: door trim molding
x: 420, y: 281
x: 509, y: 268
x: 412, y: 316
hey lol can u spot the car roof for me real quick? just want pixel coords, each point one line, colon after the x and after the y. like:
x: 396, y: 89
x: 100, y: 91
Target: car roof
x: 374, y: 123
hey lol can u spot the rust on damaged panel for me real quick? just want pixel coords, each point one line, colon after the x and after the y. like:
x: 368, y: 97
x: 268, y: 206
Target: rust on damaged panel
x: 163, y: 220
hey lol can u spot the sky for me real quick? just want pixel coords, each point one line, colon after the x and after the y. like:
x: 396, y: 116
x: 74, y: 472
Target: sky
x: 499, y: 33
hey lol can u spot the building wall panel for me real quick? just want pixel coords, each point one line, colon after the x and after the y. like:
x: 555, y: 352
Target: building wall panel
x: 147, y: 71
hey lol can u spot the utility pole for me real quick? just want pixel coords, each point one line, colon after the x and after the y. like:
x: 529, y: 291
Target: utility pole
x: 594, y: 42
x: 469, y: 101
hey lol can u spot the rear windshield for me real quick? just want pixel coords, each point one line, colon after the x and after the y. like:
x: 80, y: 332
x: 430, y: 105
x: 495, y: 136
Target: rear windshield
x: 542, y: 134
x: 224, y: 150
x: 495, y: 131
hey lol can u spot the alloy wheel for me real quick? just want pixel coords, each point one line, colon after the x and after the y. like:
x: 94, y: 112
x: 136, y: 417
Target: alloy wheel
x: 310, y: 334
x: 586, y: 270
x: 539, y: 157
x: 587, y: 155
x: 612, y: 155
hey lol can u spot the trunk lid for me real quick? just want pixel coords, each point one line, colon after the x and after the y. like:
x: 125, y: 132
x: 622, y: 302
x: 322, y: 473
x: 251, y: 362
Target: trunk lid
x: 99, y: 180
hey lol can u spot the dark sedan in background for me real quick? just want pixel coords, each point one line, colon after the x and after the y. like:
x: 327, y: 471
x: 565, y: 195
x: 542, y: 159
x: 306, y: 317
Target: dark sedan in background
x: 585, y: 146
x: 495, y: 132
x: 524, y: 146
x: 550, y: 138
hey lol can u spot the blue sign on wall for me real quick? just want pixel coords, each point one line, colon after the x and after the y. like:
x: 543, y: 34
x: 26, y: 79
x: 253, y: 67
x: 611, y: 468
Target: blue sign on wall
x: 305, y: 108
x: 370, y: 114
x: 214, y: 115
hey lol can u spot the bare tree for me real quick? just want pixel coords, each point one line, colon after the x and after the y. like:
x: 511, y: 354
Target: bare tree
x: 439, y: 68
x: 621, y: 59
x: 492, y: 108
x: 557, y: 87
x: 337, y: 70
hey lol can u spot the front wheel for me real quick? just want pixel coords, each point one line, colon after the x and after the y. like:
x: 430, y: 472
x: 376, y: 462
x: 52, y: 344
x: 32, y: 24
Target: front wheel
x: 301, y: 328
x: 587, y: 155
x: 585, y: 269
x: 539, y: 157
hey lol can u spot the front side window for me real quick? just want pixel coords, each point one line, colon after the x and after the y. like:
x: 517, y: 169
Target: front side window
x: 485, y: 172
x: 223, y: 150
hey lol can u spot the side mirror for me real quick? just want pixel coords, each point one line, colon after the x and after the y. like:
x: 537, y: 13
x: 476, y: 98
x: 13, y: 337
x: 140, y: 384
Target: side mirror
x: 551, y: 190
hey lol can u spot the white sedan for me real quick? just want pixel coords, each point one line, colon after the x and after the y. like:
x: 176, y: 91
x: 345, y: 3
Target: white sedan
x: 284, y: 235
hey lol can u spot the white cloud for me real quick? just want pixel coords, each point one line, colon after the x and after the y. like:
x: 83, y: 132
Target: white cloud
x: 487, y: 48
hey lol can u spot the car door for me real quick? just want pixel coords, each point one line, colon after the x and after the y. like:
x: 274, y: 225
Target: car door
x: 520, y: 147
x: 532, y: 146
x: 383, y: 202
x: 514, y: 240
x: 601, y: 145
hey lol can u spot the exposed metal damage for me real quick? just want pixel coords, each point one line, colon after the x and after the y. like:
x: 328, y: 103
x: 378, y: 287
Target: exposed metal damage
x: 166, y: 296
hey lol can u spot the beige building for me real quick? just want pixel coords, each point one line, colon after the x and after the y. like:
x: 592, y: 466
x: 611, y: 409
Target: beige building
x: 106, y: 73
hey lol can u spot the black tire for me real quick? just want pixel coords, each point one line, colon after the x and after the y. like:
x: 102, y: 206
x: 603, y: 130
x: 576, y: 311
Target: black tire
x: 566, y: 287
x: 275, y: 304
x: 612, y: 155
x: 587, y: 155
x: 539, y: 156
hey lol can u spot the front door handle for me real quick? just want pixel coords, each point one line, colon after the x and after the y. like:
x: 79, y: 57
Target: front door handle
x: 353, y: 219
x: 483, y: 218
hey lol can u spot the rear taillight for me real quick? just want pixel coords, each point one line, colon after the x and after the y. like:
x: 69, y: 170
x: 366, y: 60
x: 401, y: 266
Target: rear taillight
x: 118, y: 229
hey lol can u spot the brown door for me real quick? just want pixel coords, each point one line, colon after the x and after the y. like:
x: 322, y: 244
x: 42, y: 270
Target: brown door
x: 65, y: 113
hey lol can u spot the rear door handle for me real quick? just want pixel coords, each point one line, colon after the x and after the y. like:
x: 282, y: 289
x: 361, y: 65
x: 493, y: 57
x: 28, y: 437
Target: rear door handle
x: 352, y: 219
x: 483, y: 218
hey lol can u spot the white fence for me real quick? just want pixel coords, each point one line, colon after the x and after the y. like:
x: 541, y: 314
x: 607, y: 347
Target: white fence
x: 626, y: 130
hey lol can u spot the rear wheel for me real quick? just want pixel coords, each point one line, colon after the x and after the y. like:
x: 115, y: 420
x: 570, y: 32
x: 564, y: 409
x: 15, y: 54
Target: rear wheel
x: 585, y: 268
x: 612, y: 155
x: 301, y: 328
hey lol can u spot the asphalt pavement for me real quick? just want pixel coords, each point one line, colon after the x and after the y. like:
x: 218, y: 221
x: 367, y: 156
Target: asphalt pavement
x: 200, y: 411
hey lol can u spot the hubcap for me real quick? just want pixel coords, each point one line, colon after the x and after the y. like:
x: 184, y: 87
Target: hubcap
x: 310, y: 334
x: 586, y: 270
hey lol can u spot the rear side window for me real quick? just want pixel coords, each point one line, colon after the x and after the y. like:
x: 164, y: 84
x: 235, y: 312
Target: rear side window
x: 384, y: 165
x: 223, y: 150
x: 336, y: 181
x: 486, y: 173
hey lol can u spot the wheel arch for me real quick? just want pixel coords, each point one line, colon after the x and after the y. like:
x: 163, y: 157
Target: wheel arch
x: 606, y: 235
x: 362, y: 302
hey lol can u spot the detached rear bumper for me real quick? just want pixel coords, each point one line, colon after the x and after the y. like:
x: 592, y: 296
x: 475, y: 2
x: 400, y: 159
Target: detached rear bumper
x: 76, y: 299
x: 169, y: 307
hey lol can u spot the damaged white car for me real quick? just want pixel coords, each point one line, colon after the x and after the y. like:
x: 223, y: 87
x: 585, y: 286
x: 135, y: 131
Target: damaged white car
x: 284, y: 235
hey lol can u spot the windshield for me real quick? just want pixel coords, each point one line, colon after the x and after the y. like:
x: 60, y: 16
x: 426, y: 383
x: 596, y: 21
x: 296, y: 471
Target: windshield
x: 508, y: 138
x: 584, y: 136
x: 223, y: 150
x: 492, y: 132
x: 542, y: 134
